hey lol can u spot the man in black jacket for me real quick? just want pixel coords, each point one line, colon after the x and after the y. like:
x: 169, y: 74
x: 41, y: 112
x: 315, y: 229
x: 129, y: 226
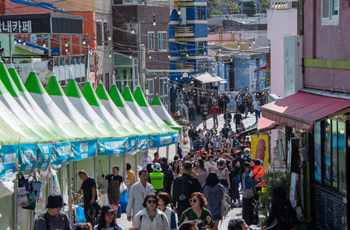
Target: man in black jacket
x: 192, y: 184
x: 191, y: 135
x: 227, y: 116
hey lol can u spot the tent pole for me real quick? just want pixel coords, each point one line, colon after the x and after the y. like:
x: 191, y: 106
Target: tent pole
x: 11, y: 211
x: 70, y: 191
x: 48, y: 182
x: 61, y: 179
x: 124, y: 167
x: 95, y: 168
x: 167, y: 152
x: 15, y: 206
x: 137, y: 165
x: 110, y: 162
x: 75, y: 171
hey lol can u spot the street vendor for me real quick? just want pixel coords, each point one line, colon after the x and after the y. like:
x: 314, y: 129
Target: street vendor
x: 113, y: 191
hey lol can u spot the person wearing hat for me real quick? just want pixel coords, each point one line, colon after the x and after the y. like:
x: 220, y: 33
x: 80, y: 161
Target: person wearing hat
x: 157, y: 178
x: 186, y: 184
x: 53, y: 218
x: 107, y: 220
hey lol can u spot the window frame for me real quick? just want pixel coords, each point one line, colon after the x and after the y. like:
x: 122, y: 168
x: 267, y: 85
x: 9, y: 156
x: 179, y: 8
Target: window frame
x: 201, y: 49
x: 330, y: 19
x: 163, y: 86
x: 150, y: 41
x: 99, y: 34
x: 164, y: 40
x: 105, y: 33
x: 148, y: 86
x: 199, y: 10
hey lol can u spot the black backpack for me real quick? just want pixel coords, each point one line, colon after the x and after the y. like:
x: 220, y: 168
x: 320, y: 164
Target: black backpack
x: 46, y: 218
x: 183, y: 190
x: 290, y: 219
x: 169, y: 176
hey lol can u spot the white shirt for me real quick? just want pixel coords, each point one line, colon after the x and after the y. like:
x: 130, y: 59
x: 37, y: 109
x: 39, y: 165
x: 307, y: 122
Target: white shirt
x: 191, y: 104
x: 209, y: 165
x: 256, y: 105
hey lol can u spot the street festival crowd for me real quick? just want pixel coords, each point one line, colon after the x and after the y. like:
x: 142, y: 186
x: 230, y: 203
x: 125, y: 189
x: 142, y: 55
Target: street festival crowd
x: 194, y: 190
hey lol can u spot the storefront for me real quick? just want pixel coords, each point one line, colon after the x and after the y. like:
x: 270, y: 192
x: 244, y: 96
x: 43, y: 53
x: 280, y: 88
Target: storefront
x: 322, y: 130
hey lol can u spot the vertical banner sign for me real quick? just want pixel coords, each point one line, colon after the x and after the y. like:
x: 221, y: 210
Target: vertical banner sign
x: 61, y: 153
x: 143, y: 141
x: 157, y: 141
x: 8, y: 160
x: 108, y: 147
x: 132, y: 144
x: 260, y: 149
x: 43, y: 155
x: 27, y: 157
x: 82, y: 150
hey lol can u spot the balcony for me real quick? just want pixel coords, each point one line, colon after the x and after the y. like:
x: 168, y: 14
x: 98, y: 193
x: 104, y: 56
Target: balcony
x: 185, y: 65
x: 184, y: 31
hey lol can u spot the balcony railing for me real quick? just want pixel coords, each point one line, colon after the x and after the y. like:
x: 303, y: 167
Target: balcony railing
x: 185, y: 65
x: 184, y: 31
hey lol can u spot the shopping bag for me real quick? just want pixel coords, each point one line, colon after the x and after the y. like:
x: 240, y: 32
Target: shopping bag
x: 6, y: 188
x: 122, y: 187
x: 33, y: 194
x: 123, y: 201
x: 22, y: 199
x: 80, y: 215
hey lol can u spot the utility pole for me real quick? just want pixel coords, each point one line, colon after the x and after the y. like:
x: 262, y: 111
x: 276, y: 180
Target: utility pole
x: 143, y: 67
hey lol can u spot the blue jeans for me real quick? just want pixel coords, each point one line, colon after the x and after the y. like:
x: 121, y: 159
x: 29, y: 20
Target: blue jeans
x: 257, y: 114
x: 246, y: 111
x: 191, y: 143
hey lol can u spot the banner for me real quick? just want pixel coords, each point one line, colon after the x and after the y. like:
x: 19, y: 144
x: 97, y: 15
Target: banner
x: 8, y: 160
x: 82, y: 150
x: 43, y: 155
x: 61, y: 153
x: 108, y: 147
x: 143, y: 142
x: 132, y: 144
x: 260, y: 149
x: 27, y: 157
x: 157, y: 141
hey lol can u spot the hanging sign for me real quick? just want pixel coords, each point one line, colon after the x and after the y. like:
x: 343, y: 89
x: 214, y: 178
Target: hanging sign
x: 61, y: 153
x: 8, y: 160
x: 132, y: 143
x: 27, y: 157
x: 157, y: 141
x: 43, y: 155
x: 82, y: 150
x: 108, y: 147
x: 143, y: 142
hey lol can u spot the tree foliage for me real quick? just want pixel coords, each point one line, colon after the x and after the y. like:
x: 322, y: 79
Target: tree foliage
x: 249, y: 4
x: 230, y: 4
x: 263, y: 6
x: 216, y: 12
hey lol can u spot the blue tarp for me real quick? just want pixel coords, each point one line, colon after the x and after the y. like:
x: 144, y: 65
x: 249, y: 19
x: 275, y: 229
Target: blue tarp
x: 27, y: 157
x: 82, y: 150
x: 8, y: 160
x: 43, y: 154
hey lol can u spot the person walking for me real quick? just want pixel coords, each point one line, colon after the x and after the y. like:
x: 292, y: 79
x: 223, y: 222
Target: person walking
x: 192, y: 108
x: 108, y: 219
x: 138, y: 192
x: 250, y: 205
x: 221, y: 104
x: 201, y: 171
x: 168, y: 174
x: 197, y: 211
x: 257, y: 107
x: 223, y: 174
x: 191, y: 135
x: 185, y: 185
x: 214, y: 193
x: 113, y: 191
x: 88, y: 187
x: 237, y: 118
x: 258, y: 172
x: 157, y: 178
x: 53, y: 218
x: 163, y: 202
x: 130, y: 178
x: 227, y: 115
x: 234, y: 168
x: 215, y: 111
x: 226, y: 100
x: 150, y: 218
x: 204, y: 117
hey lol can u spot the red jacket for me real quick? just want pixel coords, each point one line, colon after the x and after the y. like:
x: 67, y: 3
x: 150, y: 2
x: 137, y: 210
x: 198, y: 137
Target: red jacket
x: 214, y: 110
x: 257, y: 174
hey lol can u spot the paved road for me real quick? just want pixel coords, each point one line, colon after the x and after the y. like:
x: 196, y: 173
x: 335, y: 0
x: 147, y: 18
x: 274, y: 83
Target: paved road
x: 235, y: 212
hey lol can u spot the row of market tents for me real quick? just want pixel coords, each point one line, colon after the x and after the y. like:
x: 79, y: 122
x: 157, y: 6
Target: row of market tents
x: 49, y: 127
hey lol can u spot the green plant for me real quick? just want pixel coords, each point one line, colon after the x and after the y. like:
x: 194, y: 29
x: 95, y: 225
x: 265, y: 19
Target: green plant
x: 273, y: 179
x: 216, y: 12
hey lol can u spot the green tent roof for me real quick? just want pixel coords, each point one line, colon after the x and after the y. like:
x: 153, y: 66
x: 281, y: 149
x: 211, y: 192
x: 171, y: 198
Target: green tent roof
x: 127, y: 95
x: 33, y: 84
x: 53, y: 87
x: 156, y: 100
x: 72, y: 89
x: 140, y: 98
x: 7, y: 81
x: 16, y: 79
x: 116, y: 97
x: 102, y: 93
x: 90, y: 95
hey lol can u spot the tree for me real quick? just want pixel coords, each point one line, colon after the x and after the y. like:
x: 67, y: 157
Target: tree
x: 230, y: 4
x: 249, y: 8
x: 264, y: 5
x: 216, y: 12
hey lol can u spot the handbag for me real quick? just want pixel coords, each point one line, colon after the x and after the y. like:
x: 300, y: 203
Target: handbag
x: 225, y: 203
x: 249, y: 192
x: 34, y: 194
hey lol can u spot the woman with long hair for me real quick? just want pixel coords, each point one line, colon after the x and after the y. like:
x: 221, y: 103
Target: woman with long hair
x: 197, y: 211
x: 163, y: 202
x: 214, y: 192
x: 107, y: 220
x: 201, y: 171
x: 150, y: 218
x: 250, y: 205
x: 175, y: 168
x: 233, y: 191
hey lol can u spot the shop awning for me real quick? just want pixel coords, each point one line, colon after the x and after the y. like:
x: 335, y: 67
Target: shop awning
x: 221, y: 80
x: 265, y: 124
x: 207, y: 78
x: 302, y: 110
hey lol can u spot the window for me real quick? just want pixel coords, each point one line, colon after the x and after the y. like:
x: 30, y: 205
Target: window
x: 99, y: 33
x: 330, y: 12
x: 105, y: 33
x: 162, y: 41
x: 150, y: 40
x: 330, y: 153
x: 201, y: 48
x: 183, y: 51
x: 200, y: 12
x: 150, y: 87
x: 163, y: 87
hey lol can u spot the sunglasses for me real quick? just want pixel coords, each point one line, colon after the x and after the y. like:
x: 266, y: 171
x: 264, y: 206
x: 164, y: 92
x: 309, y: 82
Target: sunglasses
x: 151, y: 201
x: 193, y: 200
